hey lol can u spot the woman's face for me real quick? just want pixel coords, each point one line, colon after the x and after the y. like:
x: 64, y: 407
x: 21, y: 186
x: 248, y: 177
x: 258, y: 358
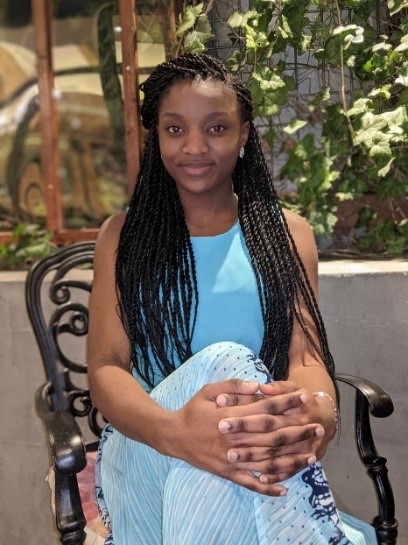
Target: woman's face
x: 200, y: 134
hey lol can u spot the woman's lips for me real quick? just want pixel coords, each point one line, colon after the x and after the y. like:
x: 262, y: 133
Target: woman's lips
x: 195, y: 168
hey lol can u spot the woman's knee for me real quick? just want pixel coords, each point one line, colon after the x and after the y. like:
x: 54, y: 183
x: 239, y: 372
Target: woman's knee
x: 214, y: 363
x: 225, y: 360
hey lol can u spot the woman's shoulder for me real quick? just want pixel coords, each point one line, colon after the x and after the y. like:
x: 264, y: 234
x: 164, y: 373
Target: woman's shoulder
x: 303, y: 238
x: 108, y: 236
x: 299, y: 228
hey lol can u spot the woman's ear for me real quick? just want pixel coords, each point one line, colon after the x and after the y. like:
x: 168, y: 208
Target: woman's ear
x: 244, y: 133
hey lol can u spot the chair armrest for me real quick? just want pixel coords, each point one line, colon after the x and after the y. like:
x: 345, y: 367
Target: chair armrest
x: 379, y: 401
x: 68, y: 456
x: 374, y: 400
x: 66, y: 445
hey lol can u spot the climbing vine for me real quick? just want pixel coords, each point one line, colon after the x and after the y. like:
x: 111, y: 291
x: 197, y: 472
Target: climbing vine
x: 329, y: 80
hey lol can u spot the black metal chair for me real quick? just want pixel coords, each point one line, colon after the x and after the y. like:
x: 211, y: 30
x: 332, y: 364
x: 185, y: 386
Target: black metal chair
x: 66, y: 410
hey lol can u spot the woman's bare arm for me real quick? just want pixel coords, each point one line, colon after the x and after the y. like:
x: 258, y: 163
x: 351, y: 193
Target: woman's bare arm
x: 114, y: 391
x: 305, y: 365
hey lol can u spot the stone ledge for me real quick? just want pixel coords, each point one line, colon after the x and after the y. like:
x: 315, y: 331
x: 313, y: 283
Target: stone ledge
x: 349, y: 267
x: 335, y: 267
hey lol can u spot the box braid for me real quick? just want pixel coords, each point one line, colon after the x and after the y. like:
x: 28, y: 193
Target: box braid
x: 155, y: 267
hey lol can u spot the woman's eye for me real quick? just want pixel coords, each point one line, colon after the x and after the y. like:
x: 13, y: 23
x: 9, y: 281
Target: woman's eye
x: 173, y: 129
x: 217, y: 128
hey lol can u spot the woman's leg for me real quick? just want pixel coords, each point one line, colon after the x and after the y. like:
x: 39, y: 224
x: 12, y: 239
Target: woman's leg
x: 138, y: 483
x: 164, y: 501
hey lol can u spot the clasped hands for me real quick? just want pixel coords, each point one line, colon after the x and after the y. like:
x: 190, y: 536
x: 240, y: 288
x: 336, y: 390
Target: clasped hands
x: 256, y: 435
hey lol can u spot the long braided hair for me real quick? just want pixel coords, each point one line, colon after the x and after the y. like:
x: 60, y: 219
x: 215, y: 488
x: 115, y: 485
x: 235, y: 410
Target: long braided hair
x: 155, y: 268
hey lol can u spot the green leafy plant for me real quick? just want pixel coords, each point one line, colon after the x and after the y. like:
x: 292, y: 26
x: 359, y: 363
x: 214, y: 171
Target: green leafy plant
x: 29, y: 242
x: 194, y: 29
x: 329, y: 81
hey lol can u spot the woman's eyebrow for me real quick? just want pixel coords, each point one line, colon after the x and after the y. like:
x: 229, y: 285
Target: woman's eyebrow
x: 175, y: 115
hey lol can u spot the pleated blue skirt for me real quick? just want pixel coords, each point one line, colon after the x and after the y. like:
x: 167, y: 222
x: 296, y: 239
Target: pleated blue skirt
x: 146, y: 498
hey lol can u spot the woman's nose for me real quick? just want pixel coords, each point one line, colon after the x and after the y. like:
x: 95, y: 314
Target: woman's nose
x: 195, y: 143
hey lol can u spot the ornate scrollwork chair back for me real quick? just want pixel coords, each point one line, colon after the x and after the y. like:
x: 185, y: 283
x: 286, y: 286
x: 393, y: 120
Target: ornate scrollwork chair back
x: 57, y: 291
x: 68, y: 290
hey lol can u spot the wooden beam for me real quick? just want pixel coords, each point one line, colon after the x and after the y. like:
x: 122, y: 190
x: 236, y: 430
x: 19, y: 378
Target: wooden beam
x: 133, y: 140
x: 67, y: 236
x: 5, y: 237
x: 42, y: 15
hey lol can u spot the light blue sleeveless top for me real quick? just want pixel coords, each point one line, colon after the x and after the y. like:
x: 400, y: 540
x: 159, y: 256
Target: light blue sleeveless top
x: 228, y: 304
x: 228, y: 301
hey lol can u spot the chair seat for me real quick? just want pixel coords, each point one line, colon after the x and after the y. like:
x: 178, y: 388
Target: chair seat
x: 96, y: 531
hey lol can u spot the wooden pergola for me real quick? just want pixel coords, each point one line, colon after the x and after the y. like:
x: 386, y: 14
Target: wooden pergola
x: 42, y: 16
x: 50, y: 159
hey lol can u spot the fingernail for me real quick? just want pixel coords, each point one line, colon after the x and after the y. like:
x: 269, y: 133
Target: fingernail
x: 222, y: 400
x: 251, y: 385
x: 311, y: 460
x: 224, y: 426
x: 264, y: 479
x: 283, y: 492
x: 232, y: 456
x: 304, y: 398
x: 319, y: 432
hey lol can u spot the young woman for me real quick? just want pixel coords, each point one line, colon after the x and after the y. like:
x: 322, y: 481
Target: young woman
x: 207, y: 352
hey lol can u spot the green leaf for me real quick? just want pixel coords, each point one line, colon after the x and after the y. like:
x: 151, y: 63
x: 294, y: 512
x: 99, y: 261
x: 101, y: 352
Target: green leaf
x: 193, y: 43
x: 360, y: 106
x: 235, y: 61
x: 365, y: 242
x: 203, y: 26
x: 345, y: 196
x: 366, y: 215
x: 382, y: 46
x: 385, y: 169
x: 294, y: 126
x: 396, y: 5
x: 319, y: 99
x: 190, y: 16
x: 284, y: 27
x: 402, y: 78
x: 380, y: 149
x: 19, y: 230
x: 389, y: 188
x: 381, y: 92
x: 240, y: 20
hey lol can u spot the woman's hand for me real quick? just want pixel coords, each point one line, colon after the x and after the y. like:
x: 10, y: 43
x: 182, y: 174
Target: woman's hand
x: 198, y: 440
x: 279, y: 436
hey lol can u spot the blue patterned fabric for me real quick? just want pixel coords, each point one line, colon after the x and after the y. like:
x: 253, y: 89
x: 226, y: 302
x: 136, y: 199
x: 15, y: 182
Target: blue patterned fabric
x: 152, y: 499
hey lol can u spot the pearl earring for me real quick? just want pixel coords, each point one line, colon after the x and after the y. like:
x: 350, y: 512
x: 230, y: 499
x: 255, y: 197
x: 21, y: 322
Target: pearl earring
x: 241, y: 152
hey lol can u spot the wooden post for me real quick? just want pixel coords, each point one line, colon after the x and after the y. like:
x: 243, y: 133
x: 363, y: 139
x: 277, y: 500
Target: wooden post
x: 169, y: 29
x: 42, y: 15
x: 133, y: 141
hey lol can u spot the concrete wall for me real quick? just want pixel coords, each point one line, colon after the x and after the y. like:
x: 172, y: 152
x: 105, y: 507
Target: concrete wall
x: 365, y: 307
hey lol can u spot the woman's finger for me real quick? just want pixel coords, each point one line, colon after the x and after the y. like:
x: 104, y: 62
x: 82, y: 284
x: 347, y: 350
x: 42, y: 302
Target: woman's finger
x: 241, y: 456
x: 233, y: 386
x: 233, y: 400
x: 277, y: 439
x: 262, y: 423
x: 252, y: 482
x: 277, y: 465
x: 269, y: 405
